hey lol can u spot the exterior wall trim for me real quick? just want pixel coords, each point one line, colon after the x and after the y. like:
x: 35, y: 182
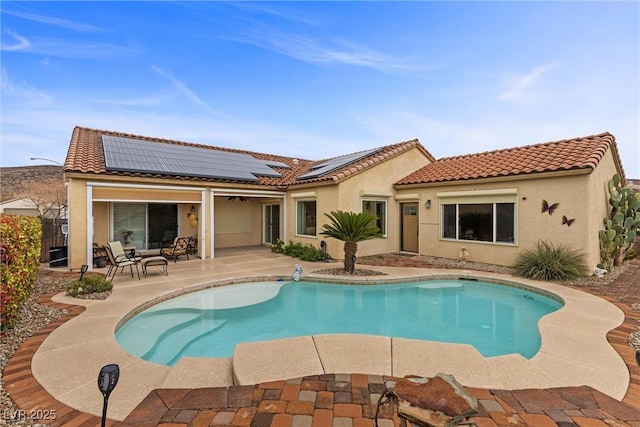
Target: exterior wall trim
x: 305, y: 195
x: 405, y: 197
x: 492, y: 192
x: 372, y: 193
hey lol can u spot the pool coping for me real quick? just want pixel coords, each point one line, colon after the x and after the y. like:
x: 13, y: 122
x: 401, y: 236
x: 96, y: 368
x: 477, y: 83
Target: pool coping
x: 88, y: 340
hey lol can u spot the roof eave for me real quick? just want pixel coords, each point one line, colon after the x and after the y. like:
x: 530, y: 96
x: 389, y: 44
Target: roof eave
x: 506, y: 178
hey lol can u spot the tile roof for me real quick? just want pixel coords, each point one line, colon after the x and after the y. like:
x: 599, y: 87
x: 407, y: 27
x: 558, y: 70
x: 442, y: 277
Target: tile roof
x: 86, y: 155
x: 569, y: 154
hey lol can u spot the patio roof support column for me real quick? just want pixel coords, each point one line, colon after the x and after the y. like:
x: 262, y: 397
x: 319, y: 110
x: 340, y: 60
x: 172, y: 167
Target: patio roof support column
x: 212, y: 228
x: 89, y: 227
x: 284, y: 217
x: 203, y: 211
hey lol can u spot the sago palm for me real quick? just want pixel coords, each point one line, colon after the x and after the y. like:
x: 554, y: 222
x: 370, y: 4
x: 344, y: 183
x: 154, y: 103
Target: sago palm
x: 351, y: 228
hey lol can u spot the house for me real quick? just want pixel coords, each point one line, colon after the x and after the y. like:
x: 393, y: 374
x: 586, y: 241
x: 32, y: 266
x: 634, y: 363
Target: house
x: 159, y: 189
x: 20, y: 206
x: 155, y: 189
x: 499, y: 203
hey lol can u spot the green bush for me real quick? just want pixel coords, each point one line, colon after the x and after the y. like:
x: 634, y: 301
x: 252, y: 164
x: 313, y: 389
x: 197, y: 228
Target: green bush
x: 550, y: 262
x: 20, y: 258
x: 306, y: 252
x: 90, y: 283
x: 277, y: 246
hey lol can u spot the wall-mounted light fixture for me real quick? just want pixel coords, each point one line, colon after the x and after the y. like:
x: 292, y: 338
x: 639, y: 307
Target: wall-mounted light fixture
x: 193, y: 208
x: 427, y: 204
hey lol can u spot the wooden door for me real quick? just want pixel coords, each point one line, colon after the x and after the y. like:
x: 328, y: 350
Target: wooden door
x: 409, y: 227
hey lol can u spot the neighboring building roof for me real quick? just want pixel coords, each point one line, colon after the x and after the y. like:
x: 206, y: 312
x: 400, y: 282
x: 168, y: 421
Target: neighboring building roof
x: 86, y: 155
x: 565, y: 155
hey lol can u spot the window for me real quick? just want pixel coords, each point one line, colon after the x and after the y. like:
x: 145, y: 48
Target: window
x: 151, y: 224
x: 485, y: 222
x: 377, y: 208
x: 306, y: 217
x: 130, y: 223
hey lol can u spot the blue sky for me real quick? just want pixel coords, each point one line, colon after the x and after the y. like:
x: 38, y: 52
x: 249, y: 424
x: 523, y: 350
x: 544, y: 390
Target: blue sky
x: 321, y: 79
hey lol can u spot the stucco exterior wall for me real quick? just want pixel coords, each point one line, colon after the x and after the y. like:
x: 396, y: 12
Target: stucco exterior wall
x: 326, y: 198
x: 597, y: 199
x: 377, y: 184
x: 237, y: 223
x: 582, y: 197
x: 77, y: 239
x: 374, y: 183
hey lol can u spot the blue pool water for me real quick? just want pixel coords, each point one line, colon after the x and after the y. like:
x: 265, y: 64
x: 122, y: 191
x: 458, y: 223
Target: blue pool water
x: 209, y: 323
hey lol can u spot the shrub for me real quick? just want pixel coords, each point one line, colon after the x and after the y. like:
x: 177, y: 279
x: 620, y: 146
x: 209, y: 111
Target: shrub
x: 306, y: 252
x: 549, y: 262
x: 277, y: 246
x: 20, y: 255
x: 90, y: 283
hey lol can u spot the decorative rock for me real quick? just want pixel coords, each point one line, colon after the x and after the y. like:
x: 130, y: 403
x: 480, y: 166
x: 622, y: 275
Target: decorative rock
x: 436, y: 402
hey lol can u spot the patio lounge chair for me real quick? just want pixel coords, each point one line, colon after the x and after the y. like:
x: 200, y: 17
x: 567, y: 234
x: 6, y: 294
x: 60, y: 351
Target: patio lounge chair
x: 115, y: 263
x: 177, y: 248
x: 118, y: 252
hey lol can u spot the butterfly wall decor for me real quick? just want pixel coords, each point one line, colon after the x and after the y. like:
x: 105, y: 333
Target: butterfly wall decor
x: 567, y: 221
x: 546, y: 207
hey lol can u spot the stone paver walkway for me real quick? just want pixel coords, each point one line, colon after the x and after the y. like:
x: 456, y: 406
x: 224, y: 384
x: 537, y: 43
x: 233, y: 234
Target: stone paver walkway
x: 337, y: 400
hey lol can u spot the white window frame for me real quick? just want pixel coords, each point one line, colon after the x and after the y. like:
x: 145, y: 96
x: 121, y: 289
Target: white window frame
x: 305, y: 200
x: 489, y: 197
x: 384, y: 221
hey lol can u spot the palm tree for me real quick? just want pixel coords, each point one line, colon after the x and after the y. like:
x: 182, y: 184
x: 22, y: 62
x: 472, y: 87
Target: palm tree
x: 351, y: 228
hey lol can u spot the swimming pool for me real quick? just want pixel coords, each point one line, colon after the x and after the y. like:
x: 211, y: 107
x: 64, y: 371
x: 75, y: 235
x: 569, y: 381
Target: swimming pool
x: 495, y: 319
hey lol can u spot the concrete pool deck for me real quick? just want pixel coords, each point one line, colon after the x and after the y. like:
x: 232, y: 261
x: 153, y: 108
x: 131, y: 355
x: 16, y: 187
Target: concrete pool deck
x: 67, y: 361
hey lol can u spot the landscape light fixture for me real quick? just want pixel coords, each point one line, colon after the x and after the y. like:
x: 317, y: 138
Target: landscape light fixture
x: 107, y: 380
x: 83, y: 270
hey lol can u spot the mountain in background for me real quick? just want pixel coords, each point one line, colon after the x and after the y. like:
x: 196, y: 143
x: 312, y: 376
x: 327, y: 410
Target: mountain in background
x: 14, y: 180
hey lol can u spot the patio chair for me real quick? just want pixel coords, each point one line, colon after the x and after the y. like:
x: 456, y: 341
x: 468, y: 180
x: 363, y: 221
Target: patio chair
x: 192, y: 247
x: 177, y: 248
x: 122, y: 262
x: 118, y: 252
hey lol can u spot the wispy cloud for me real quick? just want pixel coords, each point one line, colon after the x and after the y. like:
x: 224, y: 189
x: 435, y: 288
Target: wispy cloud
x: 281, y: 12
x: 13, y: 88
x: 185, y: 91
x: 521, y: 88
x: 18, y: 42
x: 58, y: 22
x: 65, y: 49
x: 317, y: 51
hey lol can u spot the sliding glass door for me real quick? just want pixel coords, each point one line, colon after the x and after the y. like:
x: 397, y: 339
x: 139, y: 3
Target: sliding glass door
x: 145, y: 225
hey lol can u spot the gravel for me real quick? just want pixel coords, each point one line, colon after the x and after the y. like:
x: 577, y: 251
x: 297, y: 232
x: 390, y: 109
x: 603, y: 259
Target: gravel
x: 34, y: 316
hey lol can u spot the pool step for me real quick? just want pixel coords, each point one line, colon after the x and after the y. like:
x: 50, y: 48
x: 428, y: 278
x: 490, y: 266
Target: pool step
x: 168, y: 348
x: 141, y: 333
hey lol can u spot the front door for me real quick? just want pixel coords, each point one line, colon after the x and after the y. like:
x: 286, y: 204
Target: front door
x: 271, y: 223
x: 409, y: 227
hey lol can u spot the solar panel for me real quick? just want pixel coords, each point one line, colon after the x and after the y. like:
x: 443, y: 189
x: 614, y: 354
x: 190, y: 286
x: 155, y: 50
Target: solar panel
x: 136, y: 155
x: 337, y: 163
x: 276, y: 164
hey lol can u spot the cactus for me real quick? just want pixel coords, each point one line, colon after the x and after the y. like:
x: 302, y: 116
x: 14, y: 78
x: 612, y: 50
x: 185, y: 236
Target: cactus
x: 622, y: 226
